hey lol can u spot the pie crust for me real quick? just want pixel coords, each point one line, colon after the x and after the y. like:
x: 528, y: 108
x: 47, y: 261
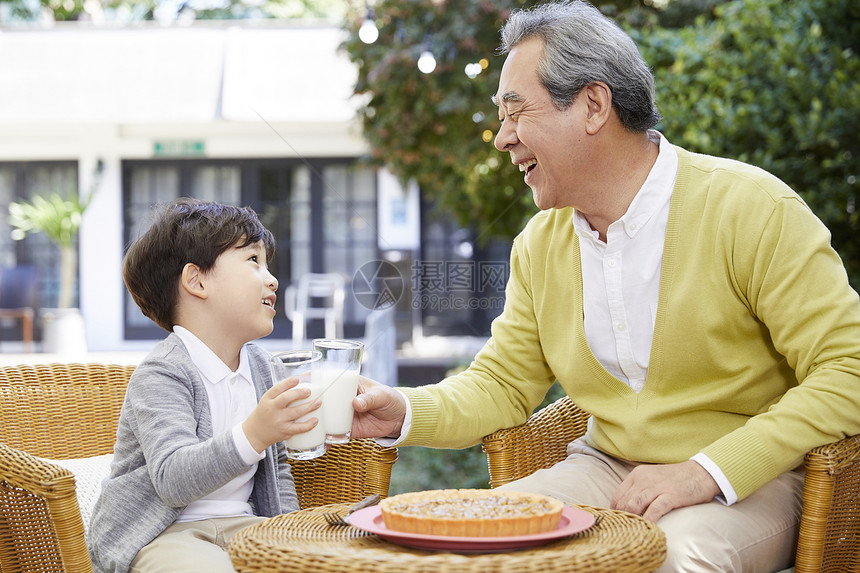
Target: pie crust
x: 471, y: 513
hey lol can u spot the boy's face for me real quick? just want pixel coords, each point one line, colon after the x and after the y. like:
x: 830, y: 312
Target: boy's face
x: 243, y: 292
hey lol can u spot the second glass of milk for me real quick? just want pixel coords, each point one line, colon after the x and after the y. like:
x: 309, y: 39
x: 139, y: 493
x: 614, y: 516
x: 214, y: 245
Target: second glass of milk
x: 336, y: 373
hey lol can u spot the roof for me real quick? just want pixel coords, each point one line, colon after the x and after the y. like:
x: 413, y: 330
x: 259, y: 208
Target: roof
x: 233, y: 72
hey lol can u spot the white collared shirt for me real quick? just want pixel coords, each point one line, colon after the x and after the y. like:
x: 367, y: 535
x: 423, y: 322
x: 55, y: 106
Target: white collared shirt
x: 231, y: 399
x: 621, y: 277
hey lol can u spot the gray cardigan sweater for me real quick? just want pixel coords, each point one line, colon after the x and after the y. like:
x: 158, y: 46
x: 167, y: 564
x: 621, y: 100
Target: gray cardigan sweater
x: 166, y: 457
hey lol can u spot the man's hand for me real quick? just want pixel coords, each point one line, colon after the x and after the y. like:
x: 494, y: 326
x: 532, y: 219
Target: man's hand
x: 652, y: 491
x: 379, y: 411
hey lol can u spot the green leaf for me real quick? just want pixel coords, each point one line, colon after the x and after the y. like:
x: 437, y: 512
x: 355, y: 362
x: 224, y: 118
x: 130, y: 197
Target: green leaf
x: 57, y: 216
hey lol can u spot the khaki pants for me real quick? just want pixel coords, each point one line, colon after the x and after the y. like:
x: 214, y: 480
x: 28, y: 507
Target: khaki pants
x: 193, y: 546
x: 757, y: 534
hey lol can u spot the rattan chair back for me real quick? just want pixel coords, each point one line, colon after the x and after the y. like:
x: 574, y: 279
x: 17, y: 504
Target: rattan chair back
x: 62, y: 411
x: 347, y: 473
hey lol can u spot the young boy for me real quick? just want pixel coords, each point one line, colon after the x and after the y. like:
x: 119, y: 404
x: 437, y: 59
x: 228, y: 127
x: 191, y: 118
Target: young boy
x: 199, y: 445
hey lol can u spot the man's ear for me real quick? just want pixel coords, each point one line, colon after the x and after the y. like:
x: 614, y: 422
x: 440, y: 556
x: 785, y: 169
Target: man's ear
x: 598, y: 99
x: 191, y: 281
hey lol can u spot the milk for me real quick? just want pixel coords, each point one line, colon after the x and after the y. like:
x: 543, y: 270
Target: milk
x: 341, y: 386
x: 316, y: 435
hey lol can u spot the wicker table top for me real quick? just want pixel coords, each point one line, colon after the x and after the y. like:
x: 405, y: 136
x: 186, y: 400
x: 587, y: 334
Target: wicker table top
x: 302, y: 541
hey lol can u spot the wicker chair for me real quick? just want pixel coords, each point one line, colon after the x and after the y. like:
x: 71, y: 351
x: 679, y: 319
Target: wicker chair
x: 63, y: 411
x: 829, y: 538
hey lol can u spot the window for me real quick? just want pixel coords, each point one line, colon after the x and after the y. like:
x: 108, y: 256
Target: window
x: 349, y: 236
x: 321, y: 212
x: 22, y: 181
x: 459, y: 281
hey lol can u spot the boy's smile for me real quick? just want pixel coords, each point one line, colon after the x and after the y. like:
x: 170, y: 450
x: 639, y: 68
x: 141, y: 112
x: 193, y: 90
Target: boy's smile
x: 270, y: 301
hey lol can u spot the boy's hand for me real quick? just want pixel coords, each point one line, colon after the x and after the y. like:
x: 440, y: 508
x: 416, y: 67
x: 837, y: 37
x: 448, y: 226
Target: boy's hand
x: 379, y: 411
x: 274, y: 418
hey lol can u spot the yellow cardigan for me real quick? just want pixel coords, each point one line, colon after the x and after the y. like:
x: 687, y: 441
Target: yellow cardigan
x: 756, y: 350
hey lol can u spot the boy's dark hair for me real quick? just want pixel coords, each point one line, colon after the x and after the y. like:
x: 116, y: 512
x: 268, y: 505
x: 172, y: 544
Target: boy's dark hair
x: 185, y: 231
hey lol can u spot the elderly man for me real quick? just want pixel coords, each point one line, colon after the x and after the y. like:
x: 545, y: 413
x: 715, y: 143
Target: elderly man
x: 692, y: 304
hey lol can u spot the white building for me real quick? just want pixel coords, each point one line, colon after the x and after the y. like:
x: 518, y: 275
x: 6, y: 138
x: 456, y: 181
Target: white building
x: 246, y: 113
x: 251, y: 113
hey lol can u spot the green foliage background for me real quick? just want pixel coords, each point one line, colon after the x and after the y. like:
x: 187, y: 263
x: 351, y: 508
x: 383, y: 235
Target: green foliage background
x: 775, y: 84
x: 768, y: 82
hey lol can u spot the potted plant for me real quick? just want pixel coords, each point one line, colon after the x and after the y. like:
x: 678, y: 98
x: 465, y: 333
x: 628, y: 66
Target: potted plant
x: 59, y: 218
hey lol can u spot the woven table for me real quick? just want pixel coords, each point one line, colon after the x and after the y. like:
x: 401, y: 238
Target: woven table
x: 303, y: 541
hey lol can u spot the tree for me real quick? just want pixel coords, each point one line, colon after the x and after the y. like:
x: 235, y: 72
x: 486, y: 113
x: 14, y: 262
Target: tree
x: 437, y: 128
x: 774, y: 84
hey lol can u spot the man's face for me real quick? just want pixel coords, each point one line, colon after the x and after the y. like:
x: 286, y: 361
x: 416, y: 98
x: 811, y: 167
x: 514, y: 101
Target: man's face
x: 546, y: 143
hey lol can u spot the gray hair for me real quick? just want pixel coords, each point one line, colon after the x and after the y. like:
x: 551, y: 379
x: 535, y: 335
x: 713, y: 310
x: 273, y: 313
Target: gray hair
x: 582, y: 46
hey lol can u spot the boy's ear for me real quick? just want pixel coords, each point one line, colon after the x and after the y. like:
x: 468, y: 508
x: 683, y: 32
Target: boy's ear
x: 192, y: 281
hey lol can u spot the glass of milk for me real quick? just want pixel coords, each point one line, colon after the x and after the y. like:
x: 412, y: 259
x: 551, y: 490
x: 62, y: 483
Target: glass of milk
x: 337, y: 374
x: 310, y: 444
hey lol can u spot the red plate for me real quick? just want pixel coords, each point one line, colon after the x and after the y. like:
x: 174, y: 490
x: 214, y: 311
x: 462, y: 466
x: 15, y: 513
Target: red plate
x: 573, y: 520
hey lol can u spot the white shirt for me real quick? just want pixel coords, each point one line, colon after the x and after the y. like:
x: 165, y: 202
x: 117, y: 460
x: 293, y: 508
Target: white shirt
x: 231, y: 399
x: 621, y: 277
x: 621, y: 287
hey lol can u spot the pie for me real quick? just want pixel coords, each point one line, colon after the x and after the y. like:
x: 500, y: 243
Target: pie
x: 471, y: 513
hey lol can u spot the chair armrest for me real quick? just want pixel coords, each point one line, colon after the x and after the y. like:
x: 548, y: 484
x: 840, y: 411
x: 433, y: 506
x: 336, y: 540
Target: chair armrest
x: 40, y: 523
x: 513, y: 453
x: 345, y: 474
x: 829, y: 537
